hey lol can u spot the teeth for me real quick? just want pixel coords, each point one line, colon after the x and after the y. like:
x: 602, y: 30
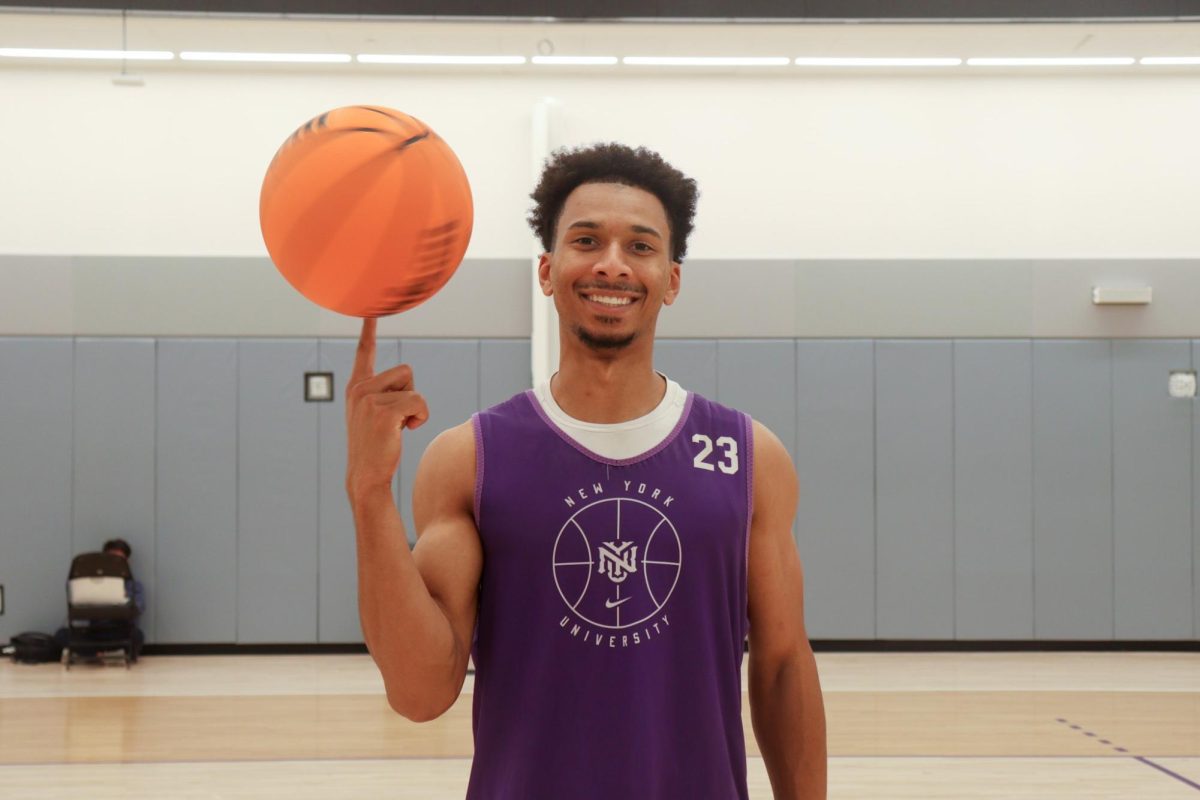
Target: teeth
x: 610, y: 301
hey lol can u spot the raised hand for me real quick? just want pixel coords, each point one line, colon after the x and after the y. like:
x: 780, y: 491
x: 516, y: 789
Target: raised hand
x: 378, y: 408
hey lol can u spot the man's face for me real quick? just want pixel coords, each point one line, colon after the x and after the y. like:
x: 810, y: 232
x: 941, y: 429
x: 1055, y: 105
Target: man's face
x: 610, y: 270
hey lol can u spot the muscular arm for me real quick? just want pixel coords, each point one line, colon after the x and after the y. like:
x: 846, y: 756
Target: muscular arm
x: 418, y: 609
x: 786, y: 708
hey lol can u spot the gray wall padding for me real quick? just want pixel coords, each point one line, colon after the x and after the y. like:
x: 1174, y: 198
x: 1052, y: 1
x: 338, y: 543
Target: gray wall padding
x: 277, y: 468
x: 1073, y: 491
x: 1152, y: 482
x: 949, y: 489
x: 113, y: 494
x: 37, y: 380
x: 914, y: 529
x: 835, y: 459
x: 993, y: 490
x: 197, y: 492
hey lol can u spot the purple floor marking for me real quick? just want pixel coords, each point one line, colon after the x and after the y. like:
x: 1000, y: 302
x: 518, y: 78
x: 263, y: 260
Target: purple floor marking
x: 1142, y: 759
x: 1174, y: 775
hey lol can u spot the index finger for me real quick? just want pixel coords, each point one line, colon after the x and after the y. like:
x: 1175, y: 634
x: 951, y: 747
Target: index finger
x: 364, y: 359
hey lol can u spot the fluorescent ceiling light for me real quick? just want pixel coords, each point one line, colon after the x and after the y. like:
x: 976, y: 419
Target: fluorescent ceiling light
x: 574, y: 60
x: 272, y: 58
x: 1049, y: 62
x: 95, y: 55
x: 877, y: 62
x: 422, y: 59
x: 1170, y: 60
x: 705, y: 61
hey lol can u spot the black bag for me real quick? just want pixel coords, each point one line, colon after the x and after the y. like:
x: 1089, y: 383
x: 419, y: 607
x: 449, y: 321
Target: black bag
x: 32, y: 647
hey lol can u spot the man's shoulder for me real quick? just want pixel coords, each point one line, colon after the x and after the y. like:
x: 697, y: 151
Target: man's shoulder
x: 762, y: 435
x: 715, y: 407
x: 456, y: 444
x: 518, y: 401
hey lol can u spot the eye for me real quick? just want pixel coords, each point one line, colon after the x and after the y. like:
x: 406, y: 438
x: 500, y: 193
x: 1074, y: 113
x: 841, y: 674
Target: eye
x: 586, y: 241
x: 643, y: 247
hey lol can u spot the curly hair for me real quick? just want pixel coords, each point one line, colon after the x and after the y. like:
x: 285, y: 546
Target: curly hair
x: 567, y: 169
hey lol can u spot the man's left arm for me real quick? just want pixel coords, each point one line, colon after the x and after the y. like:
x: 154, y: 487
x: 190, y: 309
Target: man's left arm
x: 137, y: 595
x: 786, y: 708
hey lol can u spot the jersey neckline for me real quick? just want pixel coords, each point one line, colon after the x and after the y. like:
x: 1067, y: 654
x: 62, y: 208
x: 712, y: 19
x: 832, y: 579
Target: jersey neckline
x: 531, y: 397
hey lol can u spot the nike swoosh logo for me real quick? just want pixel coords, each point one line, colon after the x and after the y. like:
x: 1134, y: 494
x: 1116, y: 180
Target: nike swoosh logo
x: 611, y: 604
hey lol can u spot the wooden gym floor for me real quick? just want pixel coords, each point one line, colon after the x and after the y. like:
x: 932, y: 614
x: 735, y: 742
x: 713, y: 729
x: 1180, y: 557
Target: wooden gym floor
x: 946, y: 725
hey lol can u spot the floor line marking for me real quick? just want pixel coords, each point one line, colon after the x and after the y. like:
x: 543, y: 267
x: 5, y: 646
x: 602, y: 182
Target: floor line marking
x: 1143, y: 759
x: 1173, y: 774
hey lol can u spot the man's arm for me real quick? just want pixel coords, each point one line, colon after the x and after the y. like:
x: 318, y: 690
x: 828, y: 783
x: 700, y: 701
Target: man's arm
x: 137, y: 595
x: 418, y: 609
x: 786, y: 708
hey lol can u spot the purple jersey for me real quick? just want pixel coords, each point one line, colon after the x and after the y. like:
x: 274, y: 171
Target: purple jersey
x: 612, y: 610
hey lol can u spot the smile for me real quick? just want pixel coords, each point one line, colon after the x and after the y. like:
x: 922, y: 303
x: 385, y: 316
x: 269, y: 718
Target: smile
x: 612, y: 301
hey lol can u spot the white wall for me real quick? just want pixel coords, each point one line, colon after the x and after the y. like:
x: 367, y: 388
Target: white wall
x: 1054, y: 164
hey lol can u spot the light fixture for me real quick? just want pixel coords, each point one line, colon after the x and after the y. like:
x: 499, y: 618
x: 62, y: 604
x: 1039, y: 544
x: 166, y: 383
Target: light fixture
x: 1170, y: 60
x: 431, y: 59
x: 1049, y: 62
x: 706, y: 61
x: 89, y: 55
x: 268, y: 58
x: 575, y: 60
x: 1122, y: 295
x: 877, y: 62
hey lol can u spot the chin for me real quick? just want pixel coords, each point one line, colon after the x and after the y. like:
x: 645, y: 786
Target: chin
x: 604, y: 342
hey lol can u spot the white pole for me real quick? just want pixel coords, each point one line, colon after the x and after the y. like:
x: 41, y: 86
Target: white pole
x: 544, y: 338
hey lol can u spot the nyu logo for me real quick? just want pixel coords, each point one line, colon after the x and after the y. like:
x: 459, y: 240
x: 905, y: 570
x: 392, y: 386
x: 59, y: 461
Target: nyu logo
x: 630, y: 542
x: 615, y: 565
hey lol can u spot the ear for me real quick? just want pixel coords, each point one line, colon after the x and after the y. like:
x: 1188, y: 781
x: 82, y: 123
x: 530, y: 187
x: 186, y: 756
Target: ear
x: 672, y: 285
x: 543, y: 271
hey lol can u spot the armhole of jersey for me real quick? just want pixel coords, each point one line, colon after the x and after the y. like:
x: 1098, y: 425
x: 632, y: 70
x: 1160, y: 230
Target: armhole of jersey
x: 477, y: 425
x: 749, y: 514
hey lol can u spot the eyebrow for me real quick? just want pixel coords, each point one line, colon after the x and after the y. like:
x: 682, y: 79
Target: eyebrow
x: 586, y: 223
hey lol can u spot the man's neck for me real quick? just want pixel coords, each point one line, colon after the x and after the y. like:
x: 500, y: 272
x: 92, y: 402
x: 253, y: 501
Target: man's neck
x: 607, y: 391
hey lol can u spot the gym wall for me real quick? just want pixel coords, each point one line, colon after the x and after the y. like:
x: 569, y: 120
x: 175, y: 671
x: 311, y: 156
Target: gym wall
x: 964, y: 162
x: 950, y: 488
x: 893, y: 272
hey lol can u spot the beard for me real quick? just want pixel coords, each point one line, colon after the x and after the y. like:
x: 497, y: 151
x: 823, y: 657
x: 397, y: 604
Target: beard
x: 601, y: 342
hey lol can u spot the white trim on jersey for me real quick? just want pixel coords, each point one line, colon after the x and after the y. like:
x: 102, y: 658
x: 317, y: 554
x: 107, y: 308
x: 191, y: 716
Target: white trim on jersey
x: 618, y: 440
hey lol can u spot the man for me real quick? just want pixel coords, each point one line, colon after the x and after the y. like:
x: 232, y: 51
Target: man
x: 133, y: 590
x: 135, y: 593
x: 602, y: 545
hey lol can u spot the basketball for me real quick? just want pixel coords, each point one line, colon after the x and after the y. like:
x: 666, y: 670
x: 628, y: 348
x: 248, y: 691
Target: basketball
x: 366, y: 211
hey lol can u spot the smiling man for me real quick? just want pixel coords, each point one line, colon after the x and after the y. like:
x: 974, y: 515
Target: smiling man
x: 603, y: 544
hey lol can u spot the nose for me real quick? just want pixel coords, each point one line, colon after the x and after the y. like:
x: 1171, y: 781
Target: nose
x: 611, y: 262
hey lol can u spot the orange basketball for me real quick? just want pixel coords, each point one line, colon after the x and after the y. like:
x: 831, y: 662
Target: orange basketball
x: 366, y: 211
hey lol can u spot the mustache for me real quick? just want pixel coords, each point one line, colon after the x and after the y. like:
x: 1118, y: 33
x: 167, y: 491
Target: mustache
x: 611, y: 287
